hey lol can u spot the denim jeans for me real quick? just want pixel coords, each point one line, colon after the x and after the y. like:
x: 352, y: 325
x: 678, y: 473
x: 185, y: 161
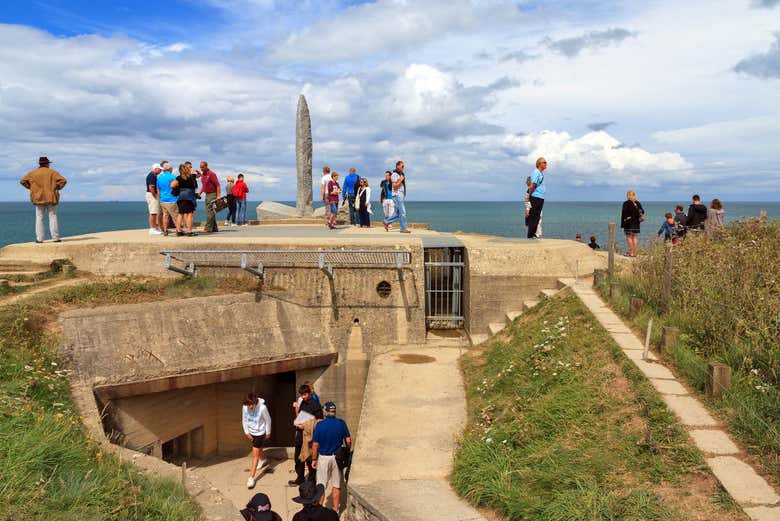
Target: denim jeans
x: 400, y: 211
x: 241, y: 211
x: 353, y: 214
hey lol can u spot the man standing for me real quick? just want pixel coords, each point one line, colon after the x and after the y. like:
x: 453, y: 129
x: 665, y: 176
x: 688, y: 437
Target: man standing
x: 398, y: 179
x: 329, y: 436
x: 348, y: 194
x: 309, y: 495
x: 153, y: 200
x: 209, y: 184
x: 168, y: 207
x: 386, y: 195
x: 324, y: 190
x: 310, y: 405
x: 536, y: 189
x: 44, y: 185
x: 680, y: 221
x: 697, y: 214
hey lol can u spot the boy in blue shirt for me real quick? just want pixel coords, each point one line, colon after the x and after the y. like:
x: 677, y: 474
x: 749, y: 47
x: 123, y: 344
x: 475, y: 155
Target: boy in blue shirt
x: 667, y: 228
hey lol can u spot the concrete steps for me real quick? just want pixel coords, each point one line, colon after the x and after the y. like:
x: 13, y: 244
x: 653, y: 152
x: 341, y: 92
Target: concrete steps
x: 447, y: 338
x: 496, y: 327
x: 512, y: 315
x: 478, y: 338
x: 528, y: 304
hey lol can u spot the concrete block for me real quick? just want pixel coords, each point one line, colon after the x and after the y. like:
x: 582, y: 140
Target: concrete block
x: 636, y: 354
x: 528, y: 304
x: 547, y: 293
x: 635, y: 306
x: 654, y: 370
x: 496, y: 327
x: 718, y: 380
x: 690, y: 411
x: 668, y: 387
x: 478, y: 338
x: 763, y: 513
x: 741, y: 481
x: 713, y: 442
x: 669, y: 338
x: 512, y: 315
x: 273, y: 210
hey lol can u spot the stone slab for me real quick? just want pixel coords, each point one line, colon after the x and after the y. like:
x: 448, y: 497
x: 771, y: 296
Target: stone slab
x: 713, y: 442
x: 689, y: 410
x: 654, y: 370
x: 741, y: 481
x: 668, y: 387
x: 416, y: 500
x: 636, y: 354
x: 628, y: 341
x: 763, y: 513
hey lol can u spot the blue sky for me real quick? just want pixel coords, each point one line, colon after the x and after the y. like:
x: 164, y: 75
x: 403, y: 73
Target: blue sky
x: 662, y: 97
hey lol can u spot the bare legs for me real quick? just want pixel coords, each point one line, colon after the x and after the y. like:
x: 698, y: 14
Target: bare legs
x: 632, y: 241
x: 187, y: 218
x: 258, y: 456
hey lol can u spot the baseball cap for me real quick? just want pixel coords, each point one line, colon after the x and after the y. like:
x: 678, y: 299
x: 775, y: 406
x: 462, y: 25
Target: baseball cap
x: 260, y: 506
x: 329, y: 407
x: 156, y: 166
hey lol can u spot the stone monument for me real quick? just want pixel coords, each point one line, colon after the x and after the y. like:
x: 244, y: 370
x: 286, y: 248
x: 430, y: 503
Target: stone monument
x: 303, y: 202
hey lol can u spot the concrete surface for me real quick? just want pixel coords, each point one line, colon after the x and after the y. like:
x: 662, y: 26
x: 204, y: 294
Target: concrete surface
x: 414, y: 408
x: 751, y: 491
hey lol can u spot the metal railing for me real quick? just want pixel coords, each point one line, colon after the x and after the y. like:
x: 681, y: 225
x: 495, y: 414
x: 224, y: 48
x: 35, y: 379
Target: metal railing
x: 256, y: 261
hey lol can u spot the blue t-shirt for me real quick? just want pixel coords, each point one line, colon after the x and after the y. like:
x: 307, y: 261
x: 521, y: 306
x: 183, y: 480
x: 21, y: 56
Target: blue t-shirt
x: 350, y: 183
x: 537, y: 178
x: 151, y: 179
x: 330, y: 434
x: 164, y: 187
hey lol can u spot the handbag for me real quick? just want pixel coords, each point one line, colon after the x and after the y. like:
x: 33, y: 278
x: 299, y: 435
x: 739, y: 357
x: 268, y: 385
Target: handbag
x: 219, y: 204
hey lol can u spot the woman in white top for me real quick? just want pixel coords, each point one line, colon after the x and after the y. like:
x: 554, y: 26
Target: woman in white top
x: 257, y: 427
x: 363, y: 203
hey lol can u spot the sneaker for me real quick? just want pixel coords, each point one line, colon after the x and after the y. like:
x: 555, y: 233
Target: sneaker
x: 38, y: 242
x: 154, y: 231
x: 295, y: 482
x: 250, y: 482
x: 263, y: 464
x: 179, y: 234
x: 227, y: 223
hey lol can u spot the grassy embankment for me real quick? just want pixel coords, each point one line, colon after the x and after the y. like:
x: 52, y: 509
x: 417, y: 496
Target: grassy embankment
x: 49, y: 468
x: 562, y: 426
x: 726, y: 302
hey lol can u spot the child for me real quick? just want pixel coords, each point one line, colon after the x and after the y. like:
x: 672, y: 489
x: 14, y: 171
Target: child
x: 257, y: 428
x: 593, y: 244
x: 667, y: 228
x: 334, y: 189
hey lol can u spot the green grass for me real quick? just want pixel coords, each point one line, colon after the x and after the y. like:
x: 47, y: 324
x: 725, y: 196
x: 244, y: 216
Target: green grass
x: 726, y: 303
x: 49, y: 468
x: 563, y: 427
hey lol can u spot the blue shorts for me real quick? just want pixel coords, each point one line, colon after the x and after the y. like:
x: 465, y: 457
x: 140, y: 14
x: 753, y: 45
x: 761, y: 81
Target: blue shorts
x: 334, y: 208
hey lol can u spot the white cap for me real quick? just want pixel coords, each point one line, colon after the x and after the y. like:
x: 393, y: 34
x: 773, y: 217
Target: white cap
x: 156, y: 166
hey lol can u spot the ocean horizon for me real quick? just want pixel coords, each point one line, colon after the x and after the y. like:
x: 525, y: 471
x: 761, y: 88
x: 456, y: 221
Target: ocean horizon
x: 561, y: 219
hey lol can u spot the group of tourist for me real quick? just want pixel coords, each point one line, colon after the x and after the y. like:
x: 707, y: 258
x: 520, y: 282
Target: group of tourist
x: 172, y: 199
x: 355, y: 194
x: 322, y: 445
x: 675, y: 225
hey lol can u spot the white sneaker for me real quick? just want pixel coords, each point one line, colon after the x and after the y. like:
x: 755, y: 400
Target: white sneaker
x: 154, y: 231
x: 250, y: 482
x: 263, y: 464
x: 227, y: 223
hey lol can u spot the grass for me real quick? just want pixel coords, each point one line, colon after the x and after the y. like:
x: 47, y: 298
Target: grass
x: 49, y: 468
x: 563, y: 427
x: 726, y: 303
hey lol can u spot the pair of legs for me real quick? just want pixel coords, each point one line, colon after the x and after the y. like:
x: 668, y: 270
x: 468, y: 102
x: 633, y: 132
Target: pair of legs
x: 632, y: 241
x: 334, y: 211
x: 534, y: 216
x: 155, y: 219
x: 54, y: 230
x: 211, y: 215
x: 328, y: 473
x: 399, y: 213
x: 353, y: 214
x: 300, y: 466
x: 186, y: 218
x: 169, y: 213
x: 241, y: 211
x: 258, y: 455
x: 231, y: 216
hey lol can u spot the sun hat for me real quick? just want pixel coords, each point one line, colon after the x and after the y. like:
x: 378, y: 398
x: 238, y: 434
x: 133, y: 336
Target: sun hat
x: 309, y: 493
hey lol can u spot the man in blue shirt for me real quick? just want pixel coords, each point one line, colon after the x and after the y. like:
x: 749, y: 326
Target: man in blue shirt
x: 536, y: 191
x: 349, y: 189
x: 168, y: 207
x: 329, y: 436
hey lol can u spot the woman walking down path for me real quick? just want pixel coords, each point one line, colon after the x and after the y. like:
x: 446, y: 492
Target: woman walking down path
x: 715, y: 216
x: 333, y: 190
x: 363, y: 202
x: 257, y: 427
x: 230, y: 220
x: 185, y: 185
x: 631, y: 215
x: 240, y: 189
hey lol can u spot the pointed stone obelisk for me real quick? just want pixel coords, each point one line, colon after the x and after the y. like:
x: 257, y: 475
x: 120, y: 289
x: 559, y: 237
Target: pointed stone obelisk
x: 303, y: 201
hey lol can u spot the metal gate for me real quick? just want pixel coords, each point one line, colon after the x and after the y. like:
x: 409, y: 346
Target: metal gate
x: 444, y: 288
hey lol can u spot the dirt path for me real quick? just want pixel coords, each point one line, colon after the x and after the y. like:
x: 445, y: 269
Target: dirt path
x: 13, y: 299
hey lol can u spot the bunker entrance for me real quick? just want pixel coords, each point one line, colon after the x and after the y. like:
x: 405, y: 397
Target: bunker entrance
x: 444, y: 288
x: 195, y: 422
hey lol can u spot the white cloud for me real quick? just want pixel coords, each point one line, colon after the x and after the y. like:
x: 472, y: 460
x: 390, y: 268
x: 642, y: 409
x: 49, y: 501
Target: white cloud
x: 747, y: 136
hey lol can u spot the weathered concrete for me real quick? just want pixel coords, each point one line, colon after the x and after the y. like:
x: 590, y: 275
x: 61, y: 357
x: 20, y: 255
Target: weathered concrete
x: 713, y: 442
x: 689, y: 410
x: 742, y: 482
x: 763, y: 513
x: 419, y: 389
x: 668, y: 387
x: 303, y: 149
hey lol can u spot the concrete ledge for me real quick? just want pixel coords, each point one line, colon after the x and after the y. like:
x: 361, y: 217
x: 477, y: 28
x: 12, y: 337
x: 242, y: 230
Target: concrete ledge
x: 422, y: 500
x: 742, y: 482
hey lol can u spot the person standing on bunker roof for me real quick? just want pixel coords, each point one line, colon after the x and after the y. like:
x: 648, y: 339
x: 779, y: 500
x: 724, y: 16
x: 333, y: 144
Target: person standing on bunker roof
x: 257, y: 428
x: 44, y: 184
x: 398, y: 179
x: 536, y: 190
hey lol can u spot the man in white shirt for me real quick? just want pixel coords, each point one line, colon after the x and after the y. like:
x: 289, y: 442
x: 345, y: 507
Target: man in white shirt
x: 324, y: 188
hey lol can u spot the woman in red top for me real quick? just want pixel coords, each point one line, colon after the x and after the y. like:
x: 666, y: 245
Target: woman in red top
x: 240, y: 189
x: 334, y: 189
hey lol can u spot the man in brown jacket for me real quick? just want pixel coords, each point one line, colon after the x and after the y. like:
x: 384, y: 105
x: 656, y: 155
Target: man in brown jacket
x: 44, y: 185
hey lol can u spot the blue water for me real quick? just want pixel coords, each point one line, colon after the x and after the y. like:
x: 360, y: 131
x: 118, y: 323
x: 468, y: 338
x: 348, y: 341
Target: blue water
x: 561, y: 220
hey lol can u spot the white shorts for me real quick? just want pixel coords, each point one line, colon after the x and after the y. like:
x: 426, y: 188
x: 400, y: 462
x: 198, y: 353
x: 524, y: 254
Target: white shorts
x: 152, y: 203
x: 328, y: 471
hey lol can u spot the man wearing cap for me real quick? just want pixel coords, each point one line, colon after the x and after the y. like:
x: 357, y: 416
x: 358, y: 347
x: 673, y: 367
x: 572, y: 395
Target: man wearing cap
x: 44, y: 185
x: 259, y: 509
x: 309, y: 495
x: 153, y: 200
x: 329, y: 436
x: 209, y: 185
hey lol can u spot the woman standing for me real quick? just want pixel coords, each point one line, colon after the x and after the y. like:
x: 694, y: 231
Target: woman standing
x: 230, y: 220
x: 715, y: 215
x: 334, y: 189
x: 185, y: 185
x: 240, y: 189
x: 363, y: 202
x: 257, y: 427
x: 630, y: 217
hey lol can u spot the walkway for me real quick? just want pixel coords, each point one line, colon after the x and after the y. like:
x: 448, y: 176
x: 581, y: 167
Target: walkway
x: 756, y: 497
x: 43, y: 288
x: 414, y: 408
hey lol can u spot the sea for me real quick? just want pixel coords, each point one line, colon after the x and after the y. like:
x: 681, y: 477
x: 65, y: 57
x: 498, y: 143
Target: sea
x: 561, y: 219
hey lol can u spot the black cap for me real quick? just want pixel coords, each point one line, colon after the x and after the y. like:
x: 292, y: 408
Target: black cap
x: 260, y: 506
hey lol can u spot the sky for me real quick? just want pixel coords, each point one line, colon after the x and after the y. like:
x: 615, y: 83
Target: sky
x: 664, y: 97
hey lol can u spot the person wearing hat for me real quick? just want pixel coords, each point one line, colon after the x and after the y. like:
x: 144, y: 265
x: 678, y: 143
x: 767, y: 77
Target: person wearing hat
x: 329, y: 436
x: 259, y: 509
x: 309, y: 495
x: 44, y: 185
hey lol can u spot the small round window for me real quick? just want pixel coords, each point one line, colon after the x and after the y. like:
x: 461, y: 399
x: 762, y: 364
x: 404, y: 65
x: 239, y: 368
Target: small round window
x: 383, y: 289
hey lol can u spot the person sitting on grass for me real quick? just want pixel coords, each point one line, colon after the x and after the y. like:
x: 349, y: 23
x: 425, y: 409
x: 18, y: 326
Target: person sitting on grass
x: 667, y: 228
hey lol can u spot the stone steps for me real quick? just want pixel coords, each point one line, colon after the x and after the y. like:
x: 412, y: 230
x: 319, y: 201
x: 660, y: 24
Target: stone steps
x: 447, y: 338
